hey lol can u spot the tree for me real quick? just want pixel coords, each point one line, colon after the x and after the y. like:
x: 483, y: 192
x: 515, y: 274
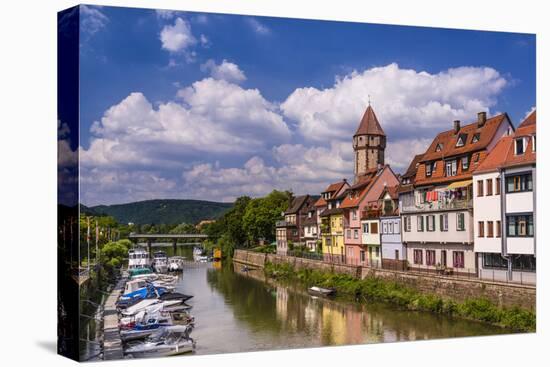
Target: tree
x: 262, y: 213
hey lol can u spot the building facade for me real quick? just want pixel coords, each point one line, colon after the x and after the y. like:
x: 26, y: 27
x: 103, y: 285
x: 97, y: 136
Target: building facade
x: 332, y: 221
x: 291, y: 230
x: 394, y: 253
x: 437, y: 212
x: 505, y: 210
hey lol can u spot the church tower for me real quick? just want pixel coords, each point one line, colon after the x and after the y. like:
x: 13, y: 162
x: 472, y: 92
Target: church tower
x: 369, y: 143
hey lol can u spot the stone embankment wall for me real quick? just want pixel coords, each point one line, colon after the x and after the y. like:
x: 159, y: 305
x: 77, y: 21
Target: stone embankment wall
x: 458, y: 289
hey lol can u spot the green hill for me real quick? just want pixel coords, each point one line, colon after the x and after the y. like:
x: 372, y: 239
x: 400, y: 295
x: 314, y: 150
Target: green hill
x: 170, y: 211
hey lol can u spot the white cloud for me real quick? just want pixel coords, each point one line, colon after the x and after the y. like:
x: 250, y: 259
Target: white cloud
x: 227, y: 71
x: 178, y: 37
x: 258, y: 26
x: 399, y: 153
x: 215, y: 118
x: 92, y: 20
x: 405, y: 101
x: 165, y: 14
x: 300, y: 169
x: 205, y: 42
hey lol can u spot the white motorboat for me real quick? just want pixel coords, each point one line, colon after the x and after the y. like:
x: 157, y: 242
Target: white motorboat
x: 160, y: 262
x: 143, y: 304
x: 169, y: 341
x: 175, y: 263
x: 136, y: 284
x: 138, y: 258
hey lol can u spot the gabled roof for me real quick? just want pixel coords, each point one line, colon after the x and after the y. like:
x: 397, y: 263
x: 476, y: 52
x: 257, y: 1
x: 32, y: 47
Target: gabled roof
x: 360, y: 189
x: 448, y: 139
x: 411, y: 171
x: 369, y: 124
x: 392, y: 191
x: 504, y: 155
x: 333, y: 188
x: 296, y: 204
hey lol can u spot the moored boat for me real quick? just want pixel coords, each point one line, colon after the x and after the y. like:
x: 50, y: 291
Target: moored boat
x: 169, y: 341
x: 319, y: 291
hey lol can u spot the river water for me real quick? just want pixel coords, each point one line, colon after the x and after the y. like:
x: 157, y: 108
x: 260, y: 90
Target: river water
x: 238, y: 312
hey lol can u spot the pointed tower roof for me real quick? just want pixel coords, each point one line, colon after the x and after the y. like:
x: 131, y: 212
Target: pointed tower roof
x: 369, y: 124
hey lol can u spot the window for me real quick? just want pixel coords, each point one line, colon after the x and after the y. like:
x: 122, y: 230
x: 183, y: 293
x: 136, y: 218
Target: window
x: 385, y: 227
x: 490, y: 228
x: 396, y: 254
x: 519, y: 225
x: 480, y: 188
x: 417, y: 257
x: 497, y: 186
x: 354, y: 214
x: 465, y: 163
x: 450, y: 168
x: 309, y: 214
x: 444, y: 222
x: 475, y: 138
x: 533, y: 141
x: 460, y: 225
x: 396, y: 227
x: 498, y: 229
x: 489, y: 184
x: 524, y: 263
x: 461, y: 140
x: 377, y: 251
x: 430, y: 257
x: 480, y: 229
x: 362, y: 254
x: 444, y: 258
x: 430, y: 223
x: 348, y: 233
x: 494, y: 261
x: 420, y: 224
x: 520, y: 149
x: 476, y: 157
x: 374, y: 228
x: 438, y: 147
x: 428, y: 169
x: 458, y: 259
x: 365, y: 228
x: 519, y: 183
x: 356, y: 233
x: 407, y: 223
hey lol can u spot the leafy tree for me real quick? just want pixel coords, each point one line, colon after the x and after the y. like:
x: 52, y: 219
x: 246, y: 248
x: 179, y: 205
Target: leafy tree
x: 262, y: 213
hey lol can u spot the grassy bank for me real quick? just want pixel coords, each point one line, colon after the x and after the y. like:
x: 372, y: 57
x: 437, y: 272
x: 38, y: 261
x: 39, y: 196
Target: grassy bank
x: 375, y: 289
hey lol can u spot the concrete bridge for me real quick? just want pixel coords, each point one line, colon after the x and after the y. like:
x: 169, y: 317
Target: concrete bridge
x: 151, y: 237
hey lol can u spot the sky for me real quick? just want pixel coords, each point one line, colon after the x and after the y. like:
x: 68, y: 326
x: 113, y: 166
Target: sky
x: 210, y: 106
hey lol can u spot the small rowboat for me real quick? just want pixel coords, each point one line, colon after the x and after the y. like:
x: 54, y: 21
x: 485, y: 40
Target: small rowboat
x: 324, y: 292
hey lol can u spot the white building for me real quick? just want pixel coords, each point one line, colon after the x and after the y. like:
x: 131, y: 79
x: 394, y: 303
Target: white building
x: 437, y: 210
x: 504, y: 208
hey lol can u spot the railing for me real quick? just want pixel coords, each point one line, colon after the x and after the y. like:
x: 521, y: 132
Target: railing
x: 438, y: 205
x: 284, y: 223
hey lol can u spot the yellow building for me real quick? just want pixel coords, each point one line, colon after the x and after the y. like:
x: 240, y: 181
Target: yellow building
x: 332, y: 232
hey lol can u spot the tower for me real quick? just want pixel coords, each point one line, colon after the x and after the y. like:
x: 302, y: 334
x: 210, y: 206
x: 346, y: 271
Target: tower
x: 369, y: 143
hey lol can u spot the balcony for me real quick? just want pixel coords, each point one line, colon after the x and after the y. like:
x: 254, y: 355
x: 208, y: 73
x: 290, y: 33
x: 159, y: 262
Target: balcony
x: 284, y: 223
x: 438, y: 206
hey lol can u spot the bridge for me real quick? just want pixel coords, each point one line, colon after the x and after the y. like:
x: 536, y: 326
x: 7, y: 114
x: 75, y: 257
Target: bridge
x: 150, y: 237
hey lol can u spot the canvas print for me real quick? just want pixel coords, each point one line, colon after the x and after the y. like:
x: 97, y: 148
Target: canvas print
x: 236, y: 183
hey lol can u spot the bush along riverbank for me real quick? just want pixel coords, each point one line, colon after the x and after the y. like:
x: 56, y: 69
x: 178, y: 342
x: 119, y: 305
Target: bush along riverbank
x: 382, y: 290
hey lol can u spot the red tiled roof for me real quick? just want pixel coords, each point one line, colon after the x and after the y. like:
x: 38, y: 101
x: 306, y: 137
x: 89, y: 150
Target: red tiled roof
x: 503, y: 154
x: 320, y: 202
x: 448, y: 139
x: 411, y: 171
x: 369, y: 124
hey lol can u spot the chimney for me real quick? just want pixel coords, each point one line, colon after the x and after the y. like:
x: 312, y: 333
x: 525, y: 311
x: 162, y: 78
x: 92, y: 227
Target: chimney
x: 456, y: 125
x: 481, y: 118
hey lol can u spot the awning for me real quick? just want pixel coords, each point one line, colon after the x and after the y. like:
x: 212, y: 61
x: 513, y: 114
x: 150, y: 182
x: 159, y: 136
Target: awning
x: 458, y: 184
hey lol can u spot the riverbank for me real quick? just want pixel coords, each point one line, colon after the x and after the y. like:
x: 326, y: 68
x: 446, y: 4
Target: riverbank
x: 382, y: 290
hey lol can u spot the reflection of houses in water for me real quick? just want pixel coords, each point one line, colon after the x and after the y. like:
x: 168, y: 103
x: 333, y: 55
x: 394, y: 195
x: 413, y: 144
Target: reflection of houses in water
x: 334, y: 329
x: 281, y: 303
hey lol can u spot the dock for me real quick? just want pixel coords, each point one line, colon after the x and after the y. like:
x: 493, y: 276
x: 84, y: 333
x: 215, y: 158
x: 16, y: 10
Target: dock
x: 112, y: 343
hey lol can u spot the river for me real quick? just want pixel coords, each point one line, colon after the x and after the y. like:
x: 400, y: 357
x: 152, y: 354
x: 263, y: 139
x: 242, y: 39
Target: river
x: 238, y: 312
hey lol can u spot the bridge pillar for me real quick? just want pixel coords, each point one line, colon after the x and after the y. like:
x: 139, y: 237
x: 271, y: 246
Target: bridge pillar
x: 149, y: 248
x: 174, y: 246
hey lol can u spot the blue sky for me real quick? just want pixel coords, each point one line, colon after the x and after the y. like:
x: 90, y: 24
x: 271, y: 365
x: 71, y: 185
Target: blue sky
x: 210, y: 106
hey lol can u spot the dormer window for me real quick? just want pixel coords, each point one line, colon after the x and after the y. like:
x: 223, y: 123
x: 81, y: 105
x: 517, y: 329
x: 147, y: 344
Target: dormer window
x: 438, y: 147
x: 430, y: 167
x: 450, y: 168
x: 533, y: 143
x: 476, y: 157
x: 520, y: 148
x: 475, y: 138
x: 461, y: 140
